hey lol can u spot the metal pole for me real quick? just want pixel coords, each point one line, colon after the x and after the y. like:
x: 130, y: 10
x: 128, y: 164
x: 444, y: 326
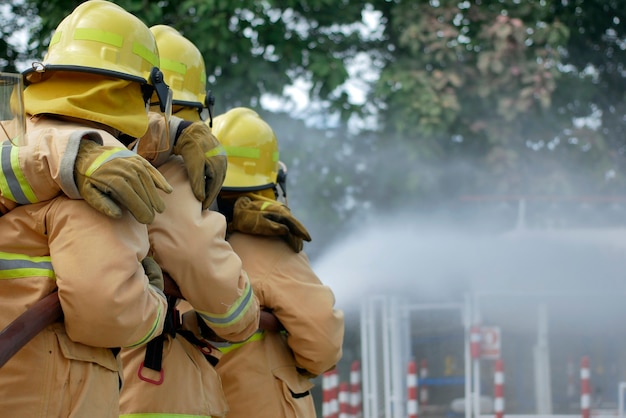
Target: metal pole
x: 467, y: 320
x: 397, y: 361
x: 386, y: 360
x: 620, y: 398
x: 476, y: 363
x: 543, y: 387
x: 368, y: 354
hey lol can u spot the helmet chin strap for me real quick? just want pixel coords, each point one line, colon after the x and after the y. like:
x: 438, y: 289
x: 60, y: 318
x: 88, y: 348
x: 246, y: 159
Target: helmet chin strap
x: 281, y: 183
x: 209, y: 102
x: 162, y: 89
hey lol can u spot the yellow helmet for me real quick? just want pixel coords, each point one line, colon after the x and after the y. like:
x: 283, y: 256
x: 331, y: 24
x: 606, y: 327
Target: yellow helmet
x: 100, y: 37
x: 183, y: 67
x: 251, y: 147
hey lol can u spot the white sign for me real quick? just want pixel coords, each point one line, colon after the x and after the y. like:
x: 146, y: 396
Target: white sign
x: 490, y: 342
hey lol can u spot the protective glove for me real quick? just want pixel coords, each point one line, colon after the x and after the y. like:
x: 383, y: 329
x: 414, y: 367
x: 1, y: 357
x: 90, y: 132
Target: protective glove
x: 205, y: 160
x: 111, y: 177
x: 260, y: 217
x: 154, y: 273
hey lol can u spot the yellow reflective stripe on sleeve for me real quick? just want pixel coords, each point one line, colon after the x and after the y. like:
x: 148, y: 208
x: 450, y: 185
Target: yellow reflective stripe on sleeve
x: 14, y: 266
x: 151, y: 334
x: 13, y: 183
x: 236, y: 311
x: 228, y: 347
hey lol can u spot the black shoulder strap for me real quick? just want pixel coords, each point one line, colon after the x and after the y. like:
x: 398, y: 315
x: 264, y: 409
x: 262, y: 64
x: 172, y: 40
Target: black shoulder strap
x: 154, y: 348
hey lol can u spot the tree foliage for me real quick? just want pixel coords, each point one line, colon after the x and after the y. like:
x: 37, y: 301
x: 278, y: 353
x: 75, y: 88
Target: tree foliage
x: 467, y: 96
x: 506, y: 84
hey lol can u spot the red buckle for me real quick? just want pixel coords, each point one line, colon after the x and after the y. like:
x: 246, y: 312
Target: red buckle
x: 147, y: 379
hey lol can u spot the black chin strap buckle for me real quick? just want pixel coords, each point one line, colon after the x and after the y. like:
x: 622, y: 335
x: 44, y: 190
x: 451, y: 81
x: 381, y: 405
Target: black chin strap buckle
x: 162, y: 90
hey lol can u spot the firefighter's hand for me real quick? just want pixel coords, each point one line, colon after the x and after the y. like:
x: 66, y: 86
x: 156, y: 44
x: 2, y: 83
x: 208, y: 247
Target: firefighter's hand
x: 205, y: 161
x: 154, y: 273
x: 269, y: 218
x: 109, y: 178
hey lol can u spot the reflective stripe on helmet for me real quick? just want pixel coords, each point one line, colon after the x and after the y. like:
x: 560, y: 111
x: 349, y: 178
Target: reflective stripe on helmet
x: 219, y: 150
x: 171, y: 65
x: 109, y: 38
x: 19, y: 265
x: 13, y: 183
x: 247, y: 152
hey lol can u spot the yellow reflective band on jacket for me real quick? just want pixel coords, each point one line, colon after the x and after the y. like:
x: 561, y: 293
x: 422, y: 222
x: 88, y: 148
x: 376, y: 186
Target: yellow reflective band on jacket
x: 236, y: 311
x: 15, y: 266
x: 228, y: 347
x: 151, y: 334
x: 162, y: 415
x: 107, y: 156
x: 13, y: 183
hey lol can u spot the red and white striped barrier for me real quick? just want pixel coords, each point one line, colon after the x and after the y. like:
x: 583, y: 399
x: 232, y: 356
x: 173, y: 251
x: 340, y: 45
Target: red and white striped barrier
x: 411, y: 383
x: 344, y: 400
x: 498, y: 396
x: 355, y: 389
x: 422, y: 387
x: 330, y: 388
x: 585, y: 388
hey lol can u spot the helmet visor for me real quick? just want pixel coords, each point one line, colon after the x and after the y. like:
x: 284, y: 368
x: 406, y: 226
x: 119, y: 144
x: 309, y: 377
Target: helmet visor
x: 12, y: 117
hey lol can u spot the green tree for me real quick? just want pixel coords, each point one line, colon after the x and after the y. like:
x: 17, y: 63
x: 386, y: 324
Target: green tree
x: 490, y: 96
x: 502, y: 85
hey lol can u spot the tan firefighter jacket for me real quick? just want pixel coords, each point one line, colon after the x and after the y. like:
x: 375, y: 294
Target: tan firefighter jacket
x: 44, y: 167
x: 190, y: 245
x: 95, y: 262
x: 268, y: 375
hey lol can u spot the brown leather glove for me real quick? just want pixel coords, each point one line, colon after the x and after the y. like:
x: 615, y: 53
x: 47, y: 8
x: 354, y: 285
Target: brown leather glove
x: 260, y: 217
x: 111, y: 177
x: 154, y: 272
x: 205, y: 160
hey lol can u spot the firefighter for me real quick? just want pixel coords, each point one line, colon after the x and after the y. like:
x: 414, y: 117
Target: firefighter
x: 122, y: 180
x: 90, y: 89
x: 173, y: 375
x: 269, y: 374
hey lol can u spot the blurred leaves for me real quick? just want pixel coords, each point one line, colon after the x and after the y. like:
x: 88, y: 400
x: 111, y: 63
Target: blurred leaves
x: 500, y: 97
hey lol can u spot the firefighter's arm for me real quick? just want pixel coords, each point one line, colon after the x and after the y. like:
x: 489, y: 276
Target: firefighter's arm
x: 30, y: 174
x: 189, y: 243
x: 306, y: 308
x: 107, y: 298
x: 109, y: 179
